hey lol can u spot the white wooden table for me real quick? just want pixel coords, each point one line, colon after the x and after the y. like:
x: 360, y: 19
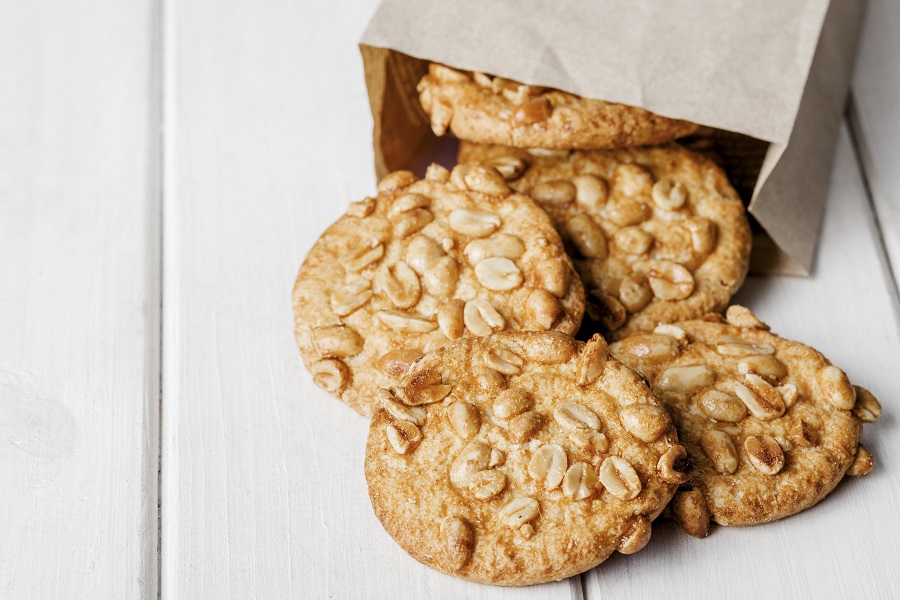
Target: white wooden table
x: 164, y: 167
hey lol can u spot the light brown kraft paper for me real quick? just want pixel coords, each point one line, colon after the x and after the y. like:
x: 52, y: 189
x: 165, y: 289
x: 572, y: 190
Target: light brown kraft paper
x: 756, y: 70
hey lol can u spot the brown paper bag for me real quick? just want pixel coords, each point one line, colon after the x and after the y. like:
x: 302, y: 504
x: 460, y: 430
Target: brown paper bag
x: 771, y: 76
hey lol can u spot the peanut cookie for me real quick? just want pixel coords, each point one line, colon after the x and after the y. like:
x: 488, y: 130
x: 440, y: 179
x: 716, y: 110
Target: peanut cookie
x: 425, y: 262
x: 493, y: 110
x: 658, y: 234
x: 520, y: 458
x: 769, y: 424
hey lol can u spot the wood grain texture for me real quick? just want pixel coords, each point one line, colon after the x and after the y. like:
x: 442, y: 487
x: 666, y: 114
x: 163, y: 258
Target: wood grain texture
x: 875, y: 117
x: 78, y: 300
x: 263, y: 487
x: 844, y: 547
x: 268, y: 136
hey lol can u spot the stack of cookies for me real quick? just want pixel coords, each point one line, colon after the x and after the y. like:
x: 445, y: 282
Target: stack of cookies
x: 504, y: 450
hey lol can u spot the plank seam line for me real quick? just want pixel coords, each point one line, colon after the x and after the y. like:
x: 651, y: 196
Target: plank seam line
x: 159, y: 10
x: 856, y: 142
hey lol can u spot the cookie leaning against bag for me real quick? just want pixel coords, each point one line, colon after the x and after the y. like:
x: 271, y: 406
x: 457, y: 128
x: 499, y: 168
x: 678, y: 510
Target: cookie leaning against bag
x: 657, y: 234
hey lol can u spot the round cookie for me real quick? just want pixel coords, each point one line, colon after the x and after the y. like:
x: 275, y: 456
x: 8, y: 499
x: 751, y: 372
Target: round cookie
x: 425, y: 262
x: 657, y: 234
x: 493, y: 110
x: 520, y: 458
x: 769, y: 424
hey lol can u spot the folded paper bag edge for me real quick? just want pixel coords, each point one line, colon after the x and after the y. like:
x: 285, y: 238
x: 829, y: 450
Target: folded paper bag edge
x: 789, y: 199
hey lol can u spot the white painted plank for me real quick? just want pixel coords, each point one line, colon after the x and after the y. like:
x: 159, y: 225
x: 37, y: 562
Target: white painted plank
x: 876, y: 116
x: 78, y: 300
x: 263, y: 487
x: 845, y: 547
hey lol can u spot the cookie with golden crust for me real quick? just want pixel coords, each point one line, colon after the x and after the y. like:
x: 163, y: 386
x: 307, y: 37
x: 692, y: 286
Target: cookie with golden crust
x: 657, y: 234
x: 520, y: 458
x: 770, y: 425
x: 423, y: 263
x: 493, y: 110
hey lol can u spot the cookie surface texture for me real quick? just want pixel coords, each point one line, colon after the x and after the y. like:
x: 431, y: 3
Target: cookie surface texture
x: 542, y: 457
x: 493, y: 110
x: 769, y: 424
x: 425, y: 262
x: 658, y: 234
